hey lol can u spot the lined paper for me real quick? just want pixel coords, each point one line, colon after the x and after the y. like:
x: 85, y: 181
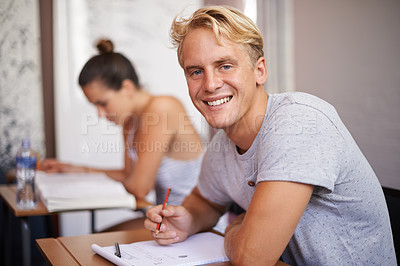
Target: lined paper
x: 198, y: 249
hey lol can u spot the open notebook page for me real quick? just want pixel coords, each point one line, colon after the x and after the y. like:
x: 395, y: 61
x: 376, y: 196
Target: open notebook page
x: 74, y: 191
x: 198, y: 249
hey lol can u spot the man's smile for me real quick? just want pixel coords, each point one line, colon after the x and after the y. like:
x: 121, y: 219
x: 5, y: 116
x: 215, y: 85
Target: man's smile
x: 219, y: 101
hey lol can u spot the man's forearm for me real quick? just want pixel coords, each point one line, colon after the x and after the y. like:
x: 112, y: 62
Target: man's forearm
x: 205, y: 216
x: 238, y: 248
x: 230, y: 232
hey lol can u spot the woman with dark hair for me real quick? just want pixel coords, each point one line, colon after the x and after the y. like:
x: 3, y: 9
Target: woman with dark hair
x: 162, y: 147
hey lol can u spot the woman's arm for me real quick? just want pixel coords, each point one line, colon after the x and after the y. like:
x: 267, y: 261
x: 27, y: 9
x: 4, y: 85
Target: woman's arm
x: 54, y: 166
x: 158, y: 127
x: 117, y: 175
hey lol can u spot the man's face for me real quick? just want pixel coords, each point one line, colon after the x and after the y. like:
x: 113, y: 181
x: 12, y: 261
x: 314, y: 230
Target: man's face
x: 221, y: 81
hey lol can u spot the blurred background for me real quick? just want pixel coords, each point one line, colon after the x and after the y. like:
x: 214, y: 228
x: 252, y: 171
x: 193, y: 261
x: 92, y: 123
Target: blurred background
x: 344, y: 51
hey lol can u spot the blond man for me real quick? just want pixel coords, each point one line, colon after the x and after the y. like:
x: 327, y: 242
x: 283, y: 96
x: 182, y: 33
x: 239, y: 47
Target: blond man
x: 310, y: 196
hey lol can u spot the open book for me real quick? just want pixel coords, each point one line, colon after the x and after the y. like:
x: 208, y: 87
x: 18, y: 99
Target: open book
x: 79, y: 191
x: 198, y: 249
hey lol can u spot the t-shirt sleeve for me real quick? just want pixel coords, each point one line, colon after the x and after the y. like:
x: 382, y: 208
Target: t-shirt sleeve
x: 300, y: 144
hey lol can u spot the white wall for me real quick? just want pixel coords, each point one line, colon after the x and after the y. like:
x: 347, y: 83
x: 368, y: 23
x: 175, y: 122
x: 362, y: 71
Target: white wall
x: 139, y: 30
x: 347, y: 52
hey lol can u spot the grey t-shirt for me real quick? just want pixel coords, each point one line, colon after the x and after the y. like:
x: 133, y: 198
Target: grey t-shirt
x: 302, y: 139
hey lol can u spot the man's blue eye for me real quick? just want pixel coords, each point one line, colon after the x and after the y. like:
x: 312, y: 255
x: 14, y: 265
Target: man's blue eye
x: 196, y: 72
x: 226, y: 67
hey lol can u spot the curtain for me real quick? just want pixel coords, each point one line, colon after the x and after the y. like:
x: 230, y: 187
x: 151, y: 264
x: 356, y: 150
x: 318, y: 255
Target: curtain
x: 21, y: 99
x: 275, y: 20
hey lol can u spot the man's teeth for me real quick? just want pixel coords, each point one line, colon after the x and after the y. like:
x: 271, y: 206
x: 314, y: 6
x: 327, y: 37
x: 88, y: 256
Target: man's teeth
x: 220, y: 101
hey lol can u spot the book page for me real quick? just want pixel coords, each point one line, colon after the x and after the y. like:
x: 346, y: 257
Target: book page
x: 74, y: 191
x: 202, y: 248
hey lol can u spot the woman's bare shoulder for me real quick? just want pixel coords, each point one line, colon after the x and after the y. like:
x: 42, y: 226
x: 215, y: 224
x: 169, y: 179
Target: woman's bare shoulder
x: 168, y: 104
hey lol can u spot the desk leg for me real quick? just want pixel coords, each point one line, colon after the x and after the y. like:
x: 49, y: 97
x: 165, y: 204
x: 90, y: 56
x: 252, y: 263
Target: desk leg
x: 7, y: 241
x: 51, y: 222
x: 26, y: 241
x: 92, y: 221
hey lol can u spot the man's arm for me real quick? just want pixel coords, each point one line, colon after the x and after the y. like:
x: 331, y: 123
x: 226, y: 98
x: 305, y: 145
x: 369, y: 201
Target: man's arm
x: 260, y: 236
x: 204, y: 212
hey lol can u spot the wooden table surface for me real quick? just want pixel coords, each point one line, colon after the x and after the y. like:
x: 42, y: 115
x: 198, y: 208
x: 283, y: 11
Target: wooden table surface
x: 9, y: 192
x: 76, y: 250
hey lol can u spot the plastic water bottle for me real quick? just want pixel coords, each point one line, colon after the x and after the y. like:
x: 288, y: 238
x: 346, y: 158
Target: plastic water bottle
x: 26, y: 172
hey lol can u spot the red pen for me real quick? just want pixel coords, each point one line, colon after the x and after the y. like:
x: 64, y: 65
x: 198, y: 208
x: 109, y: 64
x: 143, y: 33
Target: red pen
x: 163, y: 207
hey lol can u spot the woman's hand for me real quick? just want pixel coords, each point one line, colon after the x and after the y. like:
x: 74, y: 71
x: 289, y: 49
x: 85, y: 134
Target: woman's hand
x: 54, y: 166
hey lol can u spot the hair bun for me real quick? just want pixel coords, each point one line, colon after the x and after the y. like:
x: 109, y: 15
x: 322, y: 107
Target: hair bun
x: 105, y: 46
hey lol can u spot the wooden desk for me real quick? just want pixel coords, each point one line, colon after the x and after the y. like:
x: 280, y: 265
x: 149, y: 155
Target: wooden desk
x: 76, y: 250
x: 8, y: 194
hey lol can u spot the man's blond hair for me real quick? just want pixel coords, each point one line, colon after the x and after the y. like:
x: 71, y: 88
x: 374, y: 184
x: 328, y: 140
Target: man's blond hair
x: 225, y: 22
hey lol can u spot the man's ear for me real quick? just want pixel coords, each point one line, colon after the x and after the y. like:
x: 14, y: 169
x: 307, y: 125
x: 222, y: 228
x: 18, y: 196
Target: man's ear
x: 261, y: 71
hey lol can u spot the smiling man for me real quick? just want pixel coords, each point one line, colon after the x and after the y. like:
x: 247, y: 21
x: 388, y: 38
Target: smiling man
x: 310, y: 196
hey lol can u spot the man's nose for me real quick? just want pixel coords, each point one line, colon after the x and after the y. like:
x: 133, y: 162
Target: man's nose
x: 212, y: 81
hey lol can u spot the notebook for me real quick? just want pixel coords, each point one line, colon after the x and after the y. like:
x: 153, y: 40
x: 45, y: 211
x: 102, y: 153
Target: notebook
x: 198, y: 249
x: 82, y: 191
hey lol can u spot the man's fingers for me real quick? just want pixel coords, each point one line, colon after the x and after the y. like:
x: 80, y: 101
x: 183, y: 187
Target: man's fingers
x: 165, y: 238
x: 167, y: 241
x: 165, y: 235
x: 150, y: 225
x: 153, y: 214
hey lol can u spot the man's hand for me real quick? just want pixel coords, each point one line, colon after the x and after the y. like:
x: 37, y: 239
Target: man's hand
x: 175, y: 226
x: 178, y: 222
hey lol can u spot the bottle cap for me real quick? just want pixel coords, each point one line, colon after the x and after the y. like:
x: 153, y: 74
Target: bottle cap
x: 26, y: 143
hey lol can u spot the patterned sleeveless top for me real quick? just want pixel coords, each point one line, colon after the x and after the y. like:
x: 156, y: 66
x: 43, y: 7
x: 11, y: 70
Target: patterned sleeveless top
x: 180, y: 175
